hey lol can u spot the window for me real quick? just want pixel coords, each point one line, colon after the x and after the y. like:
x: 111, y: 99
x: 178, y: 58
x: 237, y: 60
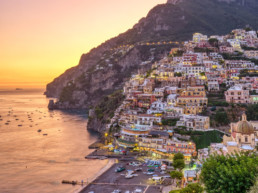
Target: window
x: 246, y: 139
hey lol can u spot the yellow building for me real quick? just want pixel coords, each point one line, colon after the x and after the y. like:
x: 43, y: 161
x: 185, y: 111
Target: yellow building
x: 192, y: 104
x: 193, y: 99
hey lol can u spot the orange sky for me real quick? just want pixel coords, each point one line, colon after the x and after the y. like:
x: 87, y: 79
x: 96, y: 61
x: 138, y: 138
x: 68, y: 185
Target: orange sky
x: 40, y: 39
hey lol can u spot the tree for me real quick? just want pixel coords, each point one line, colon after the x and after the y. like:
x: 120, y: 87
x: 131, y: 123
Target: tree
x: 254, y: 189
x: 221, y: 118
x: 176, y: 175
x: 214, y: 42
x: 178, y: 156
x: 179, y: 164
x: 174, y: 191
x: 202, y: 73
x: 248, y: 29
x: 232, y: 173
x: 252, y: 112
x: 169, y: 122
x: 192, y: 188
x: 179, y: 74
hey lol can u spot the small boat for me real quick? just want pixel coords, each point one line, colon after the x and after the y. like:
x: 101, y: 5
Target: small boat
x: 19, y: 125
x: 45, y: 134
x: 39, y: 130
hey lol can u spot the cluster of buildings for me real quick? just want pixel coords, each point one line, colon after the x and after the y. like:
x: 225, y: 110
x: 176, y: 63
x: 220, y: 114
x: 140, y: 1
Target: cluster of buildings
x: 243, y: 137
x: 175, y: 91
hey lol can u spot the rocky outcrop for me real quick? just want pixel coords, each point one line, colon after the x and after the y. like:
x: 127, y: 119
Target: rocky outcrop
x: 85, y: 85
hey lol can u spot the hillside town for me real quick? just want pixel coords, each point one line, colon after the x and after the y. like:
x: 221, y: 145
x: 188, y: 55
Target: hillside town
x: 170, y: 109
x: 175, y: 90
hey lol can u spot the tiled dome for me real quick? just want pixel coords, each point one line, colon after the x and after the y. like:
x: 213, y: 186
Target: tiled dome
x: 244, y: 126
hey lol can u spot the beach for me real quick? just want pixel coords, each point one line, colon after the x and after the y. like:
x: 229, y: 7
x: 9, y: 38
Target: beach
x: 110, y: 163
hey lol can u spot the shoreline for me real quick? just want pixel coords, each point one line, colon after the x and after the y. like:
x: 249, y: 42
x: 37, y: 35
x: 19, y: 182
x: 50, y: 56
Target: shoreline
x: 110, y: 163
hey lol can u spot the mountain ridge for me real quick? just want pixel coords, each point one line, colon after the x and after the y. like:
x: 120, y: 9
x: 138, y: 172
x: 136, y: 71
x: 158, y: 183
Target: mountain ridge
x: 101, y: 71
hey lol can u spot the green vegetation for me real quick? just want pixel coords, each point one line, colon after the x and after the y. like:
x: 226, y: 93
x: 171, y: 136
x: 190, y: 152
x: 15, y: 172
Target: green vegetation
x: 178, y: 53
x: 106, y: 108
x: 178, y: 74
x: 207, y: 50
x: 179, y: 164
x: 178, y: 161
x: 178, y: 156
x: 254, y: 189
x: 252, y: 112
x: 169, y: 122
x: 218, y: 103
x: 239, y: 56
x: 221, y: 118
x: 67, y: 93
x: 148, y: 73
x: 204, y: 140
x: 202, y: 73
x: 230, y: 174
x: 214, y: 42
x: 245, y: 72
x: 175, y: 191
x: 176, y: 175
x: 200, y: 138
x: 249, y: 48
x: 192, y: 188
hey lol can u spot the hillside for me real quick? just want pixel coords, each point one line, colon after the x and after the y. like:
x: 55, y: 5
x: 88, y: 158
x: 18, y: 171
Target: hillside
x: 105, y: 68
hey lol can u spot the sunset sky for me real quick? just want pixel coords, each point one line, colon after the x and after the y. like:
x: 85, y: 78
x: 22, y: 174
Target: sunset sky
x: 40, y: 39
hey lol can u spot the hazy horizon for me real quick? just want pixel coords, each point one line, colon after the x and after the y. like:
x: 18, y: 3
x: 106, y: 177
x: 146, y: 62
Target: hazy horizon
x: 41, y: 39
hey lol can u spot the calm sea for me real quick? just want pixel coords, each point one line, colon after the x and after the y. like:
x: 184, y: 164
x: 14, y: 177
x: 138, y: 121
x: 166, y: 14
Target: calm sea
x: 32, y: 161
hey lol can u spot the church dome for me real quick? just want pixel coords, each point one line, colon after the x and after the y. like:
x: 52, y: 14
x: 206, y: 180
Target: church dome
x: 244, y: 127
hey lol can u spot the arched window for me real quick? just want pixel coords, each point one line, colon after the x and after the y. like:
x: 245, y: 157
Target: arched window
x: 246, y: 139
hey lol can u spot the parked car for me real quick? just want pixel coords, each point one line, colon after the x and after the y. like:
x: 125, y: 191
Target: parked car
x: 138, y: 169
x: 120, y: 169
x: 129, y: 176
x: 117, y: 191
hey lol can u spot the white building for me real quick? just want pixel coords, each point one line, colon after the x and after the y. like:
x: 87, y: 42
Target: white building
x: 171, y: 99
x: 213, y: 85
x: 195, y: 122
x: 197, y: 37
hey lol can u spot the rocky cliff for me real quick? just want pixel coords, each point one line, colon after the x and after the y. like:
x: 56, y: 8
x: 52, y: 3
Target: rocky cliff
x: 105, y: 68
x: 85, y: 85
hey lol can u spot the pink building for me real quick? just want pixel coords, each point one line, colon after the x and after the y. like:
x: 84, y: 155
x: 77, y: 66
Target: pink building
x: 237, y: 94
x: 225, y: 49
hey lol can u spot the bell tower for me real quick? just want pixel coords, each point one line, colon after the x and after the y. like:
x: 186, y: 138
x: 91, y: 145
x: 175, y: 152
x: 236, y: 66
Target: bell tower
x: 244, y: 117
